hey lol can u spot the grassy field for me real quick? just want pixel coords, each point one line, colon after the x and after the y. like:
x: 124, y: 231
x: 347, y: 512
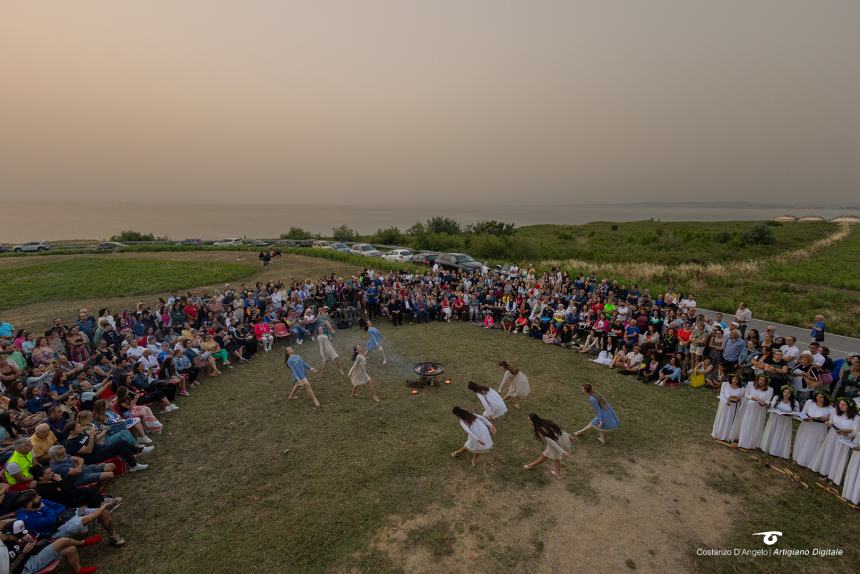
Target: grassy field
x: 244, y: 480
x: 667, y: 242
x: 28, y: 281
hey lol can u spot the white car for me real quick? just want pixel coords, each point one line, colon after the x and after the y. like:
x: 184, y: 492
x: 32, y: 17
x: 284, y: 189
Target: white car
x: 365, y: 249
x: 229, y: 242
x: 399, y: 255
x: 322, y: 245
x: 31, y: 246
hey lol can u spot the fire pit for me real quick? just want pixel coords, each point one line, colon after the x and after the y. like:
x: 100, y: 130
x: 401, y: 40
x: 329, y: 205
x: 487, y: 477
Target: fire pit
x: 427, y: 373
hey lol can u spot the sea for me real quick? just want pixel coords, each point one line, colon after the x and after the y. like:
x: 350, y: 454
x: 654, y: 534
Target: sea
x: 54, y: 221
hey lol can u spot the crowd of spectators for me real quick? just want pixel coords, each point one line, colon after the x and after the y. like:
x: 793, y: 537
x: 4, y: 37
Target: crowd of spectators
x: 81, y: 398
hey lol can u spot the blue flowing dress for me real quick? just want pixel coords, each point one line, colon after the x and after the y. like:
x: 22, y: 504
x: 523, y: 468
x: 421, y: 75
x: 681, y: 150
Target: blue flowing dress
x: 375, y: 339
x: 606, y: 415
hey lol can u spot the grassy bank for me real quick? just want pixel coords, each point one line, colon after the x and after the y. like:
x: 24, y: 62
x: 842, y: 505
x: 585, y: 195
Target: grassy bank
x: 36, y: 281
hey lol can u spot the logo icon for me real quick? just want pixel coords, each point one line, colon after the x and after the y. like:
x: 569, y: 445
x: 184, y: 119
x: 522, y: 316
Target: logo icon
x: 770, y: 538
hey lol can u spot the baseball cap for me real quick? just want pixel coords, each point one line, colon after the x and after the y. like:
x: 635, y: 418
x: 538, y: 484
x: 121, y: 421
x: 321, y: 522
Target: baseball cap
x: 15, y: 527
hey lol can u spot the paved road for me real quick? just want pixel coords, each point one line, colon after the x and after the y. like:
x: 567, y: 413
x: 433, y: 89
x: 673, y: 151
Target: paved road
x: 839, y: 345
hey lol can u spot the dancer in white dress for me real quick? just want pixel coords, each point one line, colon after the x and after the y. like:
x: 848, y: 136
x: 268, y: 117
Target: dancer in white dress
x: 327, y: 352
x: 556, y: 440
x: 776, y: 440
x: 358, y: 373
x: 494, y: 404
x: 731, y: 394
x: 812, y: 430
x: 514, y: 385
x: 479, y: 431
x: 832, y: 455
x: 757, y: 398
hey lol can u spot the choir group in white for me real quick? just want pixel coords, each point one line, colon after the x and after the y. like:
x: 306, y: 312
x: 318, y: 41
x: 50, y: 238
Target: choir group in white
x: 826, y: 440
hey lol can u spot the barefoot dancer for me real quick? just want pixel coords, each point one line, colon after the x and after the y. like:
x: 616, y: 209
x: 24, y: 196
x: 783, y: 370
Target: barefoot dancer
x: 327, y: 351
x: 557, y: 443
x: 604, y: 419
x: 479, y: 431
x: 358, y: 374
x: 299, y: 370
x: 518, y: 383
x: 494, y: 404
x: 374, y: 340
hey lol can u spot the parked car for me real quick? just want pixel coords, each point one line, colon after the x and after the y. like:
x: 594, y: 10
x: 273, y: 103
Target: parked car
x: 229, y: 242
x: 110, y: 245
x: 3, y: 249
x: 306, y: 243
x: 287, y: 242
x: 258, y: 243
x: 458, y: 261
x: 322, y: 244
x: 365, y: 249
x: 191, y: 242
x: 425, y: 257
x: 342, y: 247
x: 399, y: 255
x: 31, y: 246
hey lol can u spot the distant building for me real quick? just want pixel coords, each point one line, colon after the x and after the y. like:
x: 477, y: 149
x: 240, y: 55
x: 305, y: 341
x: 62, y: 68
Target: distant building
x: 846, y: 219
x: 785, y: 218
x: 811, y: 218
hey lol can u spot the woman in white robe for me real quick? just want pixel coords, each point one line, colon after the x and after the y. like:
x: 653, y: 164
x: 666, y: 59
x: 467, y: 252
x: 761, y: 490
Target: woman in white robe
x: 757, y: 400
x: 812, y: 430
x: 776, y: 440
x: 514, y: 385
x: 731, y: 394
x: 832, y: 455
x: 327, y: 351
x: 556, y: 441
x: 358, y: 374
x: 479, y: 433
x: 851, y: 490
x: 494, y: 404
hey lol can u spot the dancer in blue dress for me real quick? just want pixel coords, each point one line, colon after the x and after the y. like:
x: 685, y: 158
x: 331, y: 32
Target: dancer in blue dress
x: 374, y: 341
x: 604, y: 419
x: 299, y: 369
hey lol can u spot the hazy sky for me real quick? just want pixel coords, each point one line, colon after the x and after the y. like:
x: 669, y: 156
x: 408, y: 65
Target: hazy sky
x: 420, y: 102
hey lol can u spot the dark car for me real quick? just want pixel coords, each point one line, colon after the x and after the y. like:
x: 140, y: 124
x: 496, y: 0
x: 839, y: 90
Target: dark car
x: 194, y: 242
x: 425, y: 257
x: 110, y: 245
x: 287, y: 242
x: 306, y: 243
x: 257, y: 243
x: 458, y: 262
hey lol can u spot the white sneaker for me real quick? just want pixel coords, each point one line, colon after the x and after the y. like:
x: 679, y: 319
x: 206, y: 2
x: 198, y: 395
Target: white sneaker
x: 146, y: 450
x: 138, y: 467
x: 169, y: 409
x: 144, y: 440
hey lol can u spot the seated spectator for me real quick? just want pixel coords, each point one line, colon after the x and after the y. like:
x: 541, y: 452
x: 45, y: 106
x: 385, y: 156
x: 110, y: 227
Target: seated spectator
x: 83, y: 443
x: 17, y: 473
x: 670, y: 373
x: 48, y: 519
x: 23, y: 557
x: 42, y: 440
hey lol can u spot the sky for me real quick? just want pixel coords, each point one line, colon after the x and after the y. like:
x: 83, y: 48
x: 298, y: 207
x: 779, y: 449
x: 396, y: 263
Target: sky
x: 403, y: 102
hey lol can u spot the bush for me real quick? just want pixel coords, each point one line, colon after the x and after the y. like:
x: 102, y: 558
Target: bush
x: 489, y: 247
x: 130, y: 235
x: 439, y: 242
x: 388, y: 236
x: 614, y: 227
x: 758, y: 235
x: 296, y: 233
x: 443, y: 225
x: 344, y: 233
x: 492, y: 227
x: 722, y: 237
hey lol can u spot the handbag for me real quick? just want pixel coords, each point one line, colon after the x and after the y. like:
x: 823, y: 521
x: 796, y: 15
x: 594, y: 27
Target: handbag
x: 697, y: 380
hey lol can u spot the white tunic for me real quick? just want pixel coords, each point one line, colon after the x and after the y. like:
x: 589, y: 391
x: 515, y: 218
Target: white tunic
x: 327, y: 351
x: 726, y: 411
x: 519, y: 385
x: 556, y: 449
x: 494, y: 405
x: 776, y: 439
x: 358, y: 372
x: 851, y: 490
x: 479, y: 437
x: 752, y: 425
x: 810, y: 434
x: 832, y: 455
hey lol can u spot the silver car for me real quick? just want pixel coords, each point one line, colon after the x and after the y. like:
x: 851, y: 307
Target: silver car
x: 31, y: 246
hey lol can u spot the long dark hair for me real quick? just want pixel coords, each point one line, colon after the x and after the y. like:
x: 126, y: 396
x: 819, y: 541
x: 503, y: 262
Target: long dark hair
x: 463, y: 415
x: 355, y: 352
x: 544, y: 428
x: 512, y: 370
x: 6, y: 423
x: 851, y: 411
x: 476, y: 388
x: 590, y: 390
